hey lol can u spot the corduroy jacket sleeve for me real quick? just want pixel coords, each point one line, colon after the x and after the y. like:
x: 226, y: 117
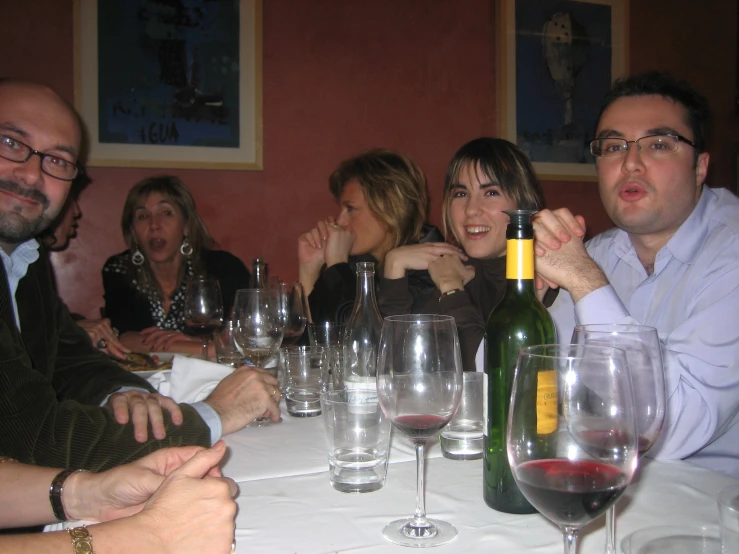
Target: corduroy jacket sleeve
x: 52, y: 381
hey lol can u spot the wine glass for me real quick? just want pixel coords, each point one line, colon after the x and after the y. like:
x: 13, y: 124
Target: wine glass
x: 571, y: 437
x: 203, y: 309
x: 258, y: 328
x: 644, y: 357
x: 292, y: 310
x: 419, y: 385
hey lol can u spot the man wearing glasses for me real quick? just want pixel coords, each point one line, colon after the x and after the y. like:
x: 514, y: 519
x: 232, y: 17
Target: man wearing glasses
x: 52, y: 380
x: 671, y: 262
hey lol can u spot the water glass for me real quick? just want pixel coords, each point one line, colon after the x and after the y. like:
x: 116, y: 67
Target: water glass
x: 461, y: 439
x: 728, y: 507
x: 304, y: 375
x: 358, y: 443
x: 326, y: 334
x: 226, y: 351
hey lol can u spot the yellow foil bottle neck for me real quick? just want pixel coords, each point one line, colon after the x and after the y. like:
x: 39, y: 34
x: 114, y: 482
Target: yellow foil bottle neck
x: 519, y: 259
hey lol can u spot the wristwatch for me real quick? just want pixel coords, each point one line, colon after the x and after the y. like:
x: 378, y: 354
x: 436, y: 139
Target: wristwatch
x: 449, y: 293
x: 81, y: 540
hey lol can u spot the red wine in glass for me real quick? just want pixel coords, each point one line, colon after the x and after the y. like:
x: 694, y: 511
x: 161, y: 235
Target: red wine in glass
x: 203, y: 328
x: 571, y: 492
x: 291, y: 338
x: 420, y: 426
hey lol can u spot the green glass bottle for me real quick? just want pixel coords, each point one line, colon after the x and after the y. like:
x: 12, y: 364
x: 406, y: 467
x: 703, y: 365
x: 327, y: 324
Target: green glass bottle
x: 518, y: 320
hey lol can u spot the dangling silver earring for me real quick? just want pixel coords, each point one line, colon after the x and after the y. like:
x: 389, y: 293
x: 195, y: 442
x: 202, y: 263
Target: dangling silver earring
x: 137, y: 258
x: 186, y: 247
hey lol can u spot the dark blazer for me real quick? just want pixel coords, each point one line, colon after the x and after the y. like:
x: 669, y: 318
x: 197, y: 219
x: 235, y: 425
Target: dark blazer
x: 52, y: 381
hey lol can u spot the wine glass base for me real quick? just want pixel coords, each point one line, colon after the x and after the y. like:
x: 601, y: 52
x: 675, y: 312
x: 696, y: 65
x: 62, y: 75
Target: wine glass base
x: 264, y: 422
x: 404, y: 533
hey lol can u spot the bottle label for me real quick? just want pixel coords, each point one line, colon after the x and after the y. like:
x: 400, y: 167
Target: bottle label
x: 519, y: 259
x: 546, y: 402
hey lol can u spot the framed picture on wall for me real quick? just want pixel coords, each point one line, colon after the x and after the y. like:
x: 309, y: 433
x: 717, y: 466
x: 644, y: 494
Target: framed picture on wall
x: 170, y: 84
x: 556, y: 61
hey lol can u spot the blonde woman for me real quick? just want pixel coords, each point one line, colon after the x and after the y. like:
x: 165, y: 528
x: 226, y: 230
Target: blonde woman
x: 167, y: 244
x: 383, y: 204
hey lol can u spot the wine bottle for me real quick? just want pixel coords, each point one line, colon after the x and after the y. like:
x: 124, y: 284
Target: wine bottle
x: 259, y: 272
x: 362, y: 338
x: 518, y: 320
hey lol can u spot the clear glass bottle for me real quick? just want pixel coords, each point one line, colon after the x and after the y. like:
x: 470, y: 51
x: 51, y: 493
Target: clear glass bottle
x: 362, y: 337
x: 518, y: 320
x: 259, y: 274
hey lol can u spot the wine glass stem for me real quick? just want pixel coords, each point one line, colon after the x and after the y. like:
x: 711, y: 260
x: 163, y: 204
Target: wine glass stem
x: 205, y: 348
x: 610, y: 531
x: 570, y: 537
x: 419, y: 519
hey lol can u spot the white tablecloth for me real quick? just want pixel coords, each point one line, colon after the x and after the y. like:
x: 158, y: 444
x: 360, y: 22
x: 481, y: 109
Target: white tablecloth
x: 286, y: 504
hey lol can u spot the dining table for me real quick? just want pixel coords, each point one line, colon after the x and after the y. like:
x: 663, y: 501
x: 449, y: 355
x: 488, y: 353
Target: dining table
x: 286, y: 503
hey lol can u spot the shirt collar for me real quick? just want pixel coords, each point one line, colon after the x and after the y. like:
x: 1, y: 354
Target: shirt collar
x: 686, y: 243
x: 25, y: 252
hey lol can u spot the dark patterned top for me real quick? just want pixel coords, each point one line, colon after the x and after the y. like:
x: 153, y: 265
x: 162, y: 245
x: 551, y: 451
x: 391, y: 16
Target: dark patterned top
x: 133, y: 306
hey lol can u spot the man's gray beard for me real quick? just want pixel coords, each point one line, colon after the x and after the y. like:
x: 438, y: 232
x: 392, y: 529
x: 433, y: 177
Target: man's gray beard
x: 15, y: 229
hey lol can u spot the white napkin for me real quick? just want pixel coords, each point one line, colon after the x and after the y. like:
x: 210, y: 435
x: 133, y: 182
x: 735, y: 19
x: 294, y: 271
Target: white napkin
x: 190, y: 379
x: 193, y: 379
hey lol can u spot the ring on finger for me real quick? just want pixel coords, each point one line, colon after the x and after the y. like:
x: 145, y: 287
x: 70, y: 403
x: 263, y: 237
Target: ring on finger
x: 102, y: 344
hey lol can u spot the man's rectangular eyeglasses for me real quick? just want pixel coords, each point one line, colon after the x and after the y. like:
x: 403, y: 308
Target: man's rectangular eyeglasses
x: 59, y: 168
x: 653, y: 145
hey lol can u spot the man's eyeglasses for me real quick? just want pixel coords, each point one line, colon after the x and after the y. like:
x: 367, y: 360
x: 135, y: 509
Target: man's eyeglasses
x: 59, y: 168
x: 652, y: 145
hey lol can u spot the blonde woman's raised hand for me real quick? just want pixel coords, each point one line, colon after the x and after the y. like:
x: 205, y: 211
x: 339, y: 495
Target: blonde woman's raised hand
x: 339, y: 242
x: 417, y: 256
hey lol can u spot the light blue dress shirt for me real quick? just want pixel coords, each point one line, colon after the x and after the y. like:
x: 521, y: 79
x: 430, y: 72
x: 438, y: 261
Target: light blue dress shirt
x: 692, y: 298
x: 16, y: 266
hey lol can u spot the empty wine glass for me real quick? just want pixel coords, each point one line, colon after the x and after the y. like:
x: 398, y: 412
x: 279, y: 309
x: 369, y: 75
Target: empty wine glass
x: 258, y: 328
x: 203, y: 309
x: 571, y: 433
x: 644, y: 357
x: 419, y: 385
x: 293, y: 312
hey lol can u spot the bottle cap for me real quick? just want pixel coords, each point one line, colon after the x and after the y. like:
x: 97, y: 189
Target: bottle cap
x: 520, y: 217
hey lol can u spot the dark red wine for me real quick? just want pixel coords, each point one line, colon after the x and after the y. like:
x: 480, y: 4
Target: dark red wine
x: 570, y: 492
x: 290, y: 338
x: 420, y: 426
x: 203, y: 329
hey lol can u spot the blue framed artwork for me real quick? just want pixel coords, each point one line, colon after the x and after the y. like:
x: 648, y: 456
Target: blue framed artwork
x: 557, y: 59
x: 170, y: 83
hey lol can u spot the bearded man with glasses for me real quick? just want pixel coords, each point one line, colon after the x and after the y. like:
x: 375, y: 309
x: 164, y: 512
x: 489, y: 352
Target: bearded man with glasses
x: 671, y: 262
x: 63, y: 403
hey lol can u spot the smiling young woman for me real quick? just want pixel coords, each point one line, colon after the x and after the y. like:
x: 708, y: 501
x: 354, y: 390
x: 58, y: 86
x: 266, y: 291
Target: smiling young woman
x: 485, y: 177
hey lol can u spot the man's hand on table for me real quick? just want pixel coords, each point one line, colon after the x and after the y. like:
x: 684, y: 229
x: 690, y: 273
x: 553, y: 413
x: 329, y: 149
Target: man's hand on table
x: 561, y: 257
x: 144, y: 407
x: 243, y: 396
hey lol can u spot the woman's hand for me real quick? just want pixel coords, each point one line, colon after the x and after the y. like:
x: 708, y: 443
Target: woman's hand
x: 101, y: 330
x: 449, y: 273
x: 417, y: 256
x: 157, y: 339
x: 339, y: 242
x: 191, y: 512
x: 122, y: 491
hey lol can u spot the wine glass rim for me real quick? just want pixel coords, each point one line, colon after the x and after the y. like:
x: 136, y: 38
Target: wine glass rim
x: 625, y: 328
x: 563, y: 351
x: 419, y: 318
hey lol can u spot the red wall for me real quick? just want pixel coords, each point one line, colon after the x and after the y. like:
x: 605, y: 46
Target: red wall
x: 344, y: 75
